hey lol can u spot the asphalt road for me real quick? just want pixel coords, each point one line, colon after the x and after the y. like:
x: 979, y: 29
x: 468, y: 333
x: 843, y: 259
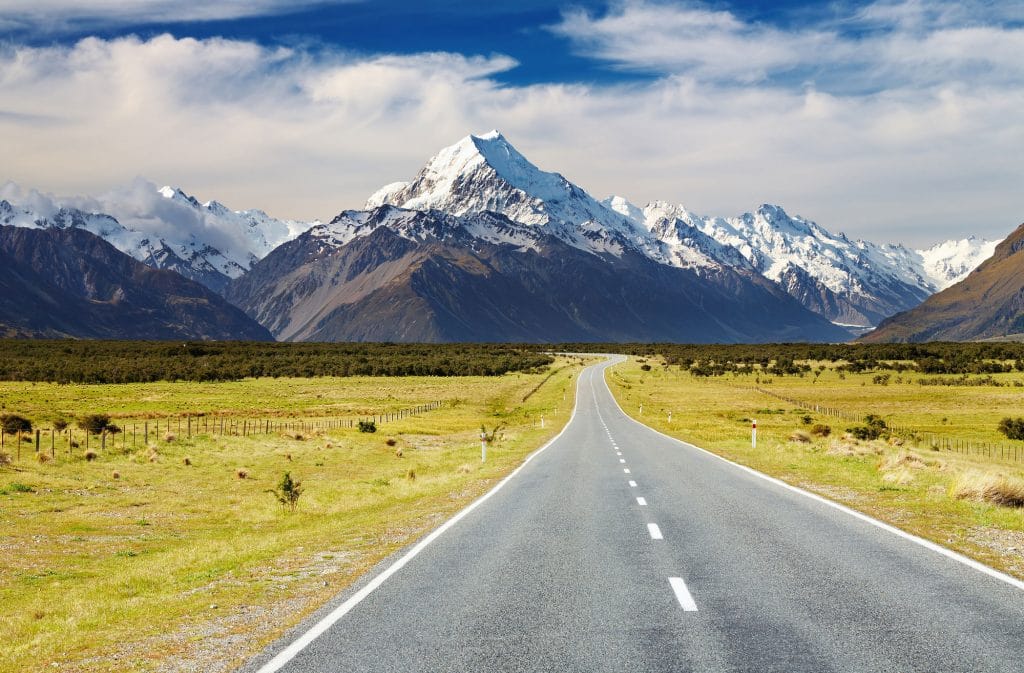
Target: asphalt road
x: 618, y: 549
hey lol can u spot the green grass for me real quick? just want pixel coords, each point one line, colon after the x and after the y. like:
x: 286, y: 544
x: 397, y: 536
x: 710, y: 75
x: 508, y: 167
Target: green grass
x: 101, y: 573
x: 909, y: 485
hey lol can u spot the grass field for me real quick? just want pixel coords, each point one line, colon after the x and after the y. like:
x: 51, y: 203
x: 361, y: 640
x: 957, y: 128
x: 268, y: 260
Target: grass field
x: 904, y: 481
x: 162, y: 558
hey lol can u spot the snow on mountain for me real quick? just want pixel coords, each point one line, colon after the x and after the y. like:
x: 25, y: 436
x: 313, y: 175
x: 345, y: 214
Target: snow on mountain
x: 852, y: 282
x: 485, y: 173
x: 164, y: 228
x: 949, y: 262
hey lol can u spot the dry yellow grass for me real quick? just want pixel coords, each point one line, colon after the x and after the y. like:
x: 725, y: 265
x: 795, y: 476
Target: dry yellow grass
x: 125, y: 570
x: 989, y: 487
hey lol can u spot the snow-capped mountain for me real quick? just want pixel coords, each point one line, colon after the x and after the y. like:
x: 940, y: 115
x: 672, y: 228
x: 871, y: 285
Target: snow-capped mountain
x: 852, y: 282
x: 946, y: 264
x: 485, y: 173
x: 164, y: 228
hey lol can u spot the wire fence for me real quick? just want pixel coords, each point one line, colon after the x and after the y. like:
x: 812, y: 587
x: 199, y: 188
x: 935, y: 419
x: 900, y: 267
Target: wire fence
x: 1012, y: 451
x: 132, y: 434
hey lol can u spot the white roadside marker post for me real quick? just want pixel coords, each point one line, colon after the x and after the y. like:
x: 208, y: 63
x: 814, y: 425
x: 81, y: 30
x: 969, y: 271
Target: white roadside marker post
x: 483, y: 447
x: 542, y: 422
x: 670, y: 418
x: 753, y: 433
x: 641, y: 408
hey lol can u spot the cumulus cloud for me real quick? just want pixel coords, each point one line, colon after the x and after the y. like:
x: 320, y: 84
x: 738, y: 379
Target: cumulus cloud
x: 304, y: 134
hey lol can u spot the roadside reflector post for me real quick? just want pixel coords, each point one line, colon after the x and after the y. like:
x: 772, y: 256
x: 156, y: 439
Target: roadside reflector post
x: 483, y: 446
x: 670, y: 417
x: 753, y: 433
x: 641, y: 408
x: 542, y: 421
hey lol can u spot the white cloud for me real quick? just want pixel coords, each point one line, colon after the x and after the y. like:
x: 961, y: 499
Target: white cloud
x: 909, y: 43
x: 55, y: 16
x: 306, y: 134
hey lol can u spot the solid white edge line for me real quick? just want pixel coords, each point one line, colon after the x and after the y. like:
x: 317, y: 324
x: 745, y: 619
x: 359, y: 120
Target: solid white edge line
x: 682, y: 594
x: 927, y: 544
x: 289, y: 653
x: 655, y: 532
x: 642, y: 502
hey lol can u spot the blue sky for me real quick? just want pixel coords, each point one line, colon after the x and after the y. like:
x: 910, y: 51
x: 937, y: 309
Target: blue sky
x: 894, y: 120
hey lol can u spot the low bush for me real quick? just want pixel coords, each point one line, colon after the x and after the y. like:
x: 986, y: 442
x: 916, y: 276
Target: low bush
x: 1013, y: 428
x: 367, y: 426
x: 94, y: 423
x: 13, y: 424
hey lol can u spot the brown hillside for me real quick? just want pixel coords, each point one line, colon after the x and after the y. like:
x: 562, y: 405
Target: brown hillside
x: 989, y: 303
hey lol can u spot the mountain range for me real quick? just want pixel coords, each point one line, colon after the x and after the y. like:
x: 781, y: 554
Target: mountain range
x: 57, y: 283
x: 483, y: 245
x: 988, y: 303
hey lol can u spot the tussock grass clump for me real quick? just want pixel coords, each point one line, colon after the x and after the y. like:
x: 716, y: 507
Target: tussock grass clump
x: 465, y: 469
x: 390, y: 441
x: 900, y: 476
x: 398, y: 453
x: 186, y: 461
x: 989, y: 487
x: 411, y: 475
x: 821, y: 430
x: 800, y: 437
x: 170, y: 437
x: 115, y: 475
x: 43, y: 458
x: 5, y: 459
x: 242, y: 473
x: 294, y: 434
x: 90, y: 455
x: 153, y: 456
x: 851, y: 447
x: 903, y: 459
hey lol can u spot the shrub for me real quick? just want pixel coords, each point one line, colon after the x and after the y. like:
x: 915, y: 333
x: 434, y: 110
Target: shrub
x: 367, y: 426
x: 60, y: 425
x: 13, y: 424
x: 90, y: 455
x: 1013, y: 428
x: 390, y: 441
x: 186, y: 461
x: 873, y: 428
x: 115, y: 475
x: 806, y: 420
x: 645, y: 368
x: 94, y: 423
x: 821, y: 430
x: 288, y: 491
x: 801, y: 437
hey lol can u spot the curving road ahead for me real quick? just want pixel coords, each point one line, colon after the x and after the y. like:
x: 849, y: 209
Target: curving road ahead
x: 616, y: 548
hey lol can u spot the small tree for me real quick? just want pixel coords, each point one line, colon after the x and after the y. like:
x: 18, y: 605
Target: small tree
x: 288, y: 491
x: 13, y: 423
x: 1013, y: 428
x: 873, y: 428
x: 94, y: 423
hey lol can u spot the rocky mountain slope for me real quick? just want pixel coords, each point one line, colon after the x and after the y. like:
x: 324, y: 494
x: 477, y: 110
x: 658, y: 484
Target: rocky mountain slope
x: 69, y: 282
x: 988, y: 303
x: 164, y: 228
x: 854, y: 283
x: 401, y: 275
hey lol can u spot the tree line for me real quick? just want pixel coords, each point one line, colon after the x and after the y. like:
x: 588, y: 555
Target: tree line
x: 71, y: 361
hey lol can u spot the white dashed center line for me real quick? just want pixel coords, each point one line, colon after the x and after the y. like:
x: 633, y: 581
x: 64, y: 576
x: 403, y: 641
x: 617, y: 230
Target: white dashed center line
x: 655, y: 532
x: 625, y: 470
x: 622, y: 460
x: 632, y: 484
x: 642, y: 502
x: 682, y: 594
